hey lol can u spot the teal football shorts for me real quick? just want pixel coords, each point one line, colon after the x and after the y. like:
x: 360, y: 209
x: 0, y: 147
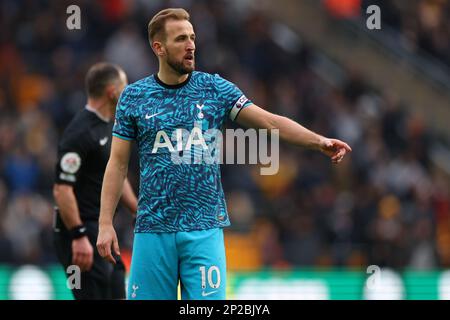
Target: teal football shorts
x: 196, y: 259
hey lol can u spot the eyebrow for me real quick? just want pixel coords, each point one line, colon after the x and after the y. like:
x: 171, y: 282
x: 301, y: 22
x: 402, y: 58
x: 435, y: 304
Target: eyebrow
x: 185, y: 35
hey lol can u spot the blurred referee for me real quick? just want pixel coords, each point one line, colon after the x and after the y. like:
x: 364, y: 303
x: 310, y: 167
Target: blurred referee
x: 83, y: 153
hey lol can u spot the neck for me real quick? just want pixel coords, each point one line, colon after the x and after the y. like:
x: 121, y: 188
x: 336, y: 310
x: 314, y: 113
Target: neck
x: 102, y: 107
x: 169, y: 76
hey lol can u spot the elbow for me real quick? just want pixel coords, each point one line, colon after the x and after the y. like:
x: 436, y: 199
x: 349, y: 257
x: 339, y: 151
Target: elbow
x: 115, y: 165
x: 56, y: 192
x: 123, y: 167
x: 117, y: 162
x: 60, y: 190
x: 273, y: 122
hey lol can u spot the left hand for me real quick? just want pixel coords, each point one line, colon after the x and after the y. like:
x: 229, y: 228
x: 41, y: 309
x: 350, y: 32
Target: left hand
x: 335, y: 149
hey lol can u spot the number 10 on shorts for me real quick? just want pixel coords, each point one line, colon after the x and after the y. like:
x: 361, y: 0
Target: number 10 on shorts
x: 209, y: 275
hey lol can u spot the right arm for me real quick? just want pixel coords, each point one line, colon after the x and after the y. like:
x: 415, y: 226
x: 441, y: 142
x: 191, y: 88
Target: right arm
x: 113, y: 181
x: 129, y: 199
x: 67, y: 205
x: 82, y: 251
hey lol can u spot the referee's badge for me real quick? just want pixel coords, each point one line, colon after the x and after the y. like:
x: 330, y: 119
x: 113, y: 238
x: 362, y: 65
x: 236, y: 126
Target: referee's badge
x: 70, y: 162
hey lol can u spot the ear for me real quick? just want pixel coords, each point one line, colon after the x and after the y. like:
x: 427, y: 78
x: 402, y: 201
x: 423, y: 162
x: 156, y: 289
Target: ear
x: 110, y: 91
x: 158, y: 48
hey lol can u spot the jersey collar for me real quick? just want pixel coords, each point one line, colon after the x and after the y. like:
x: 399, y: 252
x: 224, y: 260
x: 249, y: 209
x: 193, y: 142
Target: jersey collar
x: 172, y: 86
x: 90, y: 109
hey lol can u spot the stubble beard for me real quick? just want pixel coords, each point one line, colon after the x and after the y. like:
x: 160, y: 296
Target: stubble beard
x: 179, y: 67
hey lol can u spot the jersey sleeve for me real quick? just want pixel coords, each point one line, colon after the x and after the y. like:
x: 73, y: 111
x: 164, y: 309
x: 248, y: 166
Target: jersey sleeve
x: 72, y: 155
x: 234, y: 98
x: 124, y: 124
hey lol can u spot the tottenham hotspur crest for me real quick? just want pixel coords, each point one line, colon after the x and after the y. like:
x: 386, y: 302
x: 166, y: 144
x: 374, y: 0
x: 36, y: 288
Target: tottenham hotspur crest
x: 135, y: 288
x: 200, y: 107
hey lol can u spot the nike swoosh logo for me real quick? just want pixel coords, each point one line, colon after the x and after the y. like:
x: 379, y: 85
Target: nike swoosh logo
x: 148, y: 116
x: 103, y: 141
x: 205, y: 294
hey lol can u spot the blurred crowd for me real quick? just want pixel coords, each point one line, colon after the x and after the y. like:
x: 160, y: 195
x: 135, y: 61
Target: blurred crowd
x: 386, y: 204
x: 419, y: 26
x: 424, y: 25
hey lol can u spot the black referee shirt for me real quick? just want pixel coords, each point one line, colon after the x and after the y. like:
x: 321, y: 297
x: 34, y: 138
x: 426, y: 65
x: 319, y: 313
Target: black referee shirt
x: 83, y: 153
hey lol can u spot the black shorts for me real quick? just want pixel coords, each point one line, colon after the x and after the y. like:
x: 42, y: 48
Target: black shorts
x: 104, y: 280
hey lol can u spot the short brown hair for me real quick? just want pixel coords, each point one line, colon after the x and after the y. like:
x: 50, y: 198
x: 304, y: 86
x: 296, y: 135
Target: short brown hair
x: 99, y: 76
x: 157, y: 25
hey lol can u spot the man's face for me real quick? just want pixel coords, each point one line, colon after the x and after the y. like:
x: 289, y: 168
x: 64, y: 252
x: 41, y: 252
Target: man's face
x: 179, y: 46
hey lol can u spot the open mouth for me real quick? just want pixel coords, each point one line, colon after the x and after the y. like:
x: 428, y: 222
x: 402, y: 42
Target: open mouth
x: 189, y: 57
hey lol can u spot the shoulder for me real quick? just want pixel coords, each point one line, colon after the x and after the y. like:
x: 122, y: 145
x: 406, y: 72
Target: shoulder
x: 132, y: 94
x: 138, y: 88
x: 205, y: 76
x: 78, y: 131
x: 80, y: 124
x: 213, y: 80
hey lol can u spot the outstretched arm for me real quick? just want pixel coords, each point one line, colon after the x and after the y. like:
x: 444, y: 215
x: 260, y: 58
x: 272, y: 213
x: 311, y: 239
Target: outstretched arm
x: 113, y: 181
x: 292, y: 132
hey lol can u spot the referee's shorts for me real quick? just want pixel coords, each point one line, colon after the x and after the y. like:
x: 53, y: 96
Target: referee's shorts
x: 104, y: 280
